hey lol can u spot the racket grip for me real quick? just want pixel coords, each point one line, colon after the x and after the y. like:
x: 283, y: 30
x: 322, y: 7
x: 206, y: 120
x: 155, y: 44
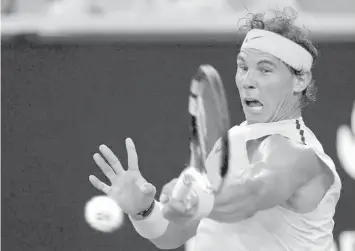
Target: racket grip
x: 183, y: 186
x: 190, y: 179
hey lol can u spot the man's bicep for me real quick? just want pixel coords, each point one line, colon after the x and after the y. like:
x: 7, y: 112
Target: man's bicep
x: 282, y: 174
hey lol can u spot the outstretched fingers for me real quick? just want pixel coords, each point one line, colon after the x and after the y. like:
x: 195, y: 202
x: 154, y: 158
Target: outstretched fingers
x: 105, y: 168
x: 98, y: 184
x: 111, y: 159
x: 132, y: 155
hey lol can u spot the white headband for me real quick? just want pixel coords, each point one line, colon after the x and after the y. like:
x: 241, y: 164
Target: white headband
x: 280, y: 47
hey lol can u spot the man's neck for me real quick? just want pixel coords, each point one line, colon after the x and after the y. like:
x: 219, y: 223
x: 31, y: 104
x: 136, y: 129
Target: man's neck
x: 291, y: 113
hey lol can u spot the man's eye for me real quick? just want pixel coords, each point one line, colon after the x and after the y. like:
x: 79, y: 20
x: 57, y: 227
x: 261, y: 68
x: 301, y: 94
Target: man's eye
x: 242, y: 67
x: 266, y: 70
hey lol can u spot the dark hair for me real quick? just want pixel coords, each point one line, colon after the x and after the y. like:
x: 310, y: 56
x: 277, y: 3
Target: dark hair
x: 282, y: 23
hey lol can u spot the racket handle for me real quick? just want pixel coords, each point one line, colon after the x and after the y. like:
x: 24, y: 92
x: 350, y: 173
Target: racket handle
x: 182, y: 186
x: 190, y: 179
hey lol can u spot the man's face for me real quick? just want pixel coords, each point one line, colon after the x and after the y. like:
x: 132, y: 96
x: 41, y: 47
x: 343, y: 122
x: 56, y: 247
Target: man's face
x: 265, y: 86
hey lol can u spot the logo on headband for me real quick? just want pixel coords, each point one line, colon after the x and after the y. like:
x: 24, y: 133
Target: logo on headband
x: 247, y: 39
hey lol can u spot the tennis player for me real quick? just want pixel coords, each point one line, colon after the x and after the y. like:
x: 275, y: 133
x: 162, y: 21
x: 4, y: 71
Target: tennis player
x: 282, y: 188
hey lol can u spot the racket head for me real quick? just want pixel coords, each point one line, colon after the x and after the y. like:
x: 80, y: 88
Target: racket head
x: 209, y: 126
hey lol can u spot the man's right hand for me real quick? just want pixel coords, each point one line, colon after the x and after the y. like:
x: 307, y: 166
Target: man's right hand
x: 178, y: 212
x: 128, y: 187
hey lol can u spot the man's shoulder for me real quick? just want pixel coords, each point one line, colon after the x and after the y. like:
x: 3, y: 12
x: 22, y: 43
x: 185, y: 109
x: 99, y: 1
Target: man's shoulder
x: 282, y: 144
x: 284, y: 151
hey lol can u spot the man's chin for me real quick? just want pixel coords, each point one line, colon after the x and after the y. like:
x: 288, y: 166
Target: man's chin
x: 253, y: 118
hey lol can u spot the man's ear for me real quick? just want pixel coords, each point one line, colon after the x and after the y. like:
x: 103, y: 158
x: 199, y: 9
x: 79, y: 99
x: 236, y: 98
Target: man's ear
x: 302, y: 81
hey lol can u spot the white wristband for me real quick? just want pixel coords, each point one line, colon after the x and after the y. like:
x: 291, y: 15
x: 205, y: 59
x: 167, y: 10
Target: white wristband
x: 152, y: 226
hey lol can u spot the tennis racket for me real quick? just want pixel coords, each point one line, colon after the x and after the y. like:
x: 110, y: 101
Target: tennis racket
x: 209, y: 125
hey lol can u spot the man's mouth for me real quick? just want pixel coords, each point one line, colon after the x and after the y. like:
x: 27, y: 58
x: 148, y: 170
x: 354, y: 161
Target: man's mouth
x: 253, y: 104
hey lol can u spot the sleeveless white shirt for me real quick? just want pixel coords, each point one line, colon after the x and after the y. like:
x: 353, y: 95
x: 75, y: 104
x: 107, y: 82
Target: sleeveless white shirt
x: 277, y: 228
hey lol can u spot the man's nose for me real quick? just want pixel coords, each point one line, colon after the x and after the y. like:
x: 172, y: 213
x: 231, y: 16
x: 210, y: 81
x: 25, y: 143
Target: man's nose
x: 249, y: 80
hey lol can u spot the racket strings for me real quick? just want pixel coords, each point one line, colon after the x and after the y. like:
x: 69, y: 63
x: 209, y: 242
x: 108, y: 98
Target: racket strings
x: 197, y: 110
x: 198, y: 150
x: 221, y: 102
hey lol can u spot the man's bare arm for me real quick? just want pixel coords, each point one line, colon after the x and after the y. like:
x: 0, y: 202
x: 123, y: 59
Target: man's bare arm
x: 284, y: 169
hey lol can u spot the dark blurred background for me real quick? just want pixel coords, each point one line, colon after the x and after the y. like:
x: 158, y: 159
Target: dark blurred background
x: 66, y: 91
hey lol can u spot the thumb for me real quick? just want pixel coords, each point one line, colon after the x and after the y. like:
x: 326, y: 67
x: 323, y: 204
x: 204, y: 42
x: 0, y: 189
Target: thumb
x: 148, y: 189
